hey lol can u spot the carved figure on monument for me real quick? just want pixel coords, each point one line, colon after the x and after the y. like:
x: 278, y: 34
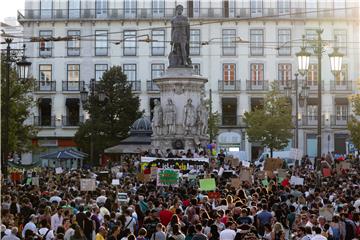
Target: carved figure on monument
x: 202, y: 117
x: 169, y: 117
x: 157, y: 121
x: 189, y: 117
x: 180, y: 39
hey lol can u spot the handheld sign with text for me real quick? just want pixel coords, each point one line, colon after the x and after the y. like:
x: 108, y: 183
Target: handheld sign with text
x: 167, y: 177
x: 35, y: 181
x: 326, y: 172
x: 296, y: 180
x: 59, y: 170
x: 115, y: 182
x: 235, y: 182
x: 207, y: 184
x: 87, y: 184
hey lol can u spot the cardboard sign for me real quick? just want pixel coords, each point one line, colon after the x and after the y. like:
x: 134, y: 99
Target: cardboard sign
x: 327, y: 213
x: 272, y: 164
x: 214, y: 195
x: 87, y: 184
x: 207, y: 184
x: 167, y: 177
x: 245, y: 175
x: 144, y: 178
x: 326, y: 172
x: 282, y: 173
x: 296, y: 153
x: 235, y: 182
x: 59, y: 170
x: 296, y: 180
x: 153, y: 172
x: 221, y: 171
x: 115, y: 182
x: 35, y: 181
x: 245, y: 164
x: 260, y: 175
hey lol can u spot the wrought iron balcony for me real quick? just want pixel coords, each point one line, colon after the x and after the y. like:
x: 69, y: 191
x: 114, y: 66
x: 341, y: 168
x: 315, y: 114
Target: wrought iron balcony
x: 341, y: 86
x: 45, y: 86
x: 339, y: 120
x: 313, y: 85
x: 311, y: 120
x: 44, y: 121
x: 225, y: 86
x: 135, y: 85
x: 151, y: 86
x: 68, y: 121
x: 281, y: 84
x: 72, y: 85
x: 257, y: 85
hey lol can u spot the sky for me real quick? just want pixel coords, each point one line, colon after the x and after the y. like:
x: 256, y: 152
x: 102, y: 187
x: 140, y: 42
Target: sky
x: 8, y: 8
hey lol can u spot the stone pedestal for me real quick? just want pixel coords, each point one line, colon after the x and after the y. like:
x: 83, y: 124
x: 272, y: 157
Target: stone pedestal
x: 179, y: 85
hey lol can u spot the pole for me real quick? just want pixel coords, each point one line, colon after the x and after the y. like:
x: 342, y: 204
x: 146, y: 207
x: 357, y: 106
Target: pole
x: 211, y: 122
x: 92, y: 89
x: 5, y: 156
x: 319, y: 55
x: 296, y: 112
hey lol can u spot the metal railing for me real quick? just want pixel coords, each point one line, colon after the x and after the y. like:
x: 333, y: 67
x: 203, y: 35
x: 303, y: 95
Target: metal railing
x: 151, y: 86
x: 44, y: 121
x: 135, y: 85
x: 259, y: 85
x: 228, y: 120
x: 45, y: 86
x: 281, y: 84
x: 311, y: 120
x: 168, y: 13
x: 313, y: 85
x: 225, y: 86
x: 341, y: 85
x: 71, y: 121
x: 72, y: 85
x: 339, y: 120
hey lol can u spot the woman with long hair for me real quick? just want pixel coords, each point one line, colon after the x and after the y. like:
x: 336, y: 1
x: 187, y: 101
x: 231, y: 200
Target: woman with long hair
x: 278, y: 232
x: 214, y: 233
x: 159, y: 234
x: 78, y: 234
x: 177, y: 234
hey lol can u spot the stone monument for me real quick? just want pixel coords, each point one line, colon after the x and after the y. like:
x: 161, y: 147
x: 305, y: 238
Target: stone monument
x: 180, y: 119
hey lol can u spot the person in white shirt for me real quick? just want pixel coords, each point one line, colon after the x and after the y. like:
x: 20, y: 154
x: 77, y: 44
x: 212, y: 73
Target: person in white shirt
x: 57, y: 219
x: 229, y: 233
x: 318, y: 235
x: 30, y: 225
x: 130, y: 221
x: 12, y: 235
x: 45, y: 232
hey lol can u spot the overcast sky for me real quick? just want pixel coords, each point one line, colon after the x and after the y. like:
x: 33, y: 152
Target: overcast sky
x: 8, y: 8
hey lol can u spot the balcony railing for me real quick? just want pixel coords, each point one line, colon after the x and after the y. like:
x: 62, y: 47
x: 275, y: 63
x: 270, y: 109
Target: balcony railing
x: 168, y: 13
x: 341, y: 86
x: 228, y: 120
x: 281, y: 84
x: 71, y: 121
x: 225, y: 86
x: 151, y: 86
x: 45, y: 86
x: 44, y: 121
x: 339, y: 121
x: 135, y: 85
x: 313, y: 85
x: 311, y: 120
x: 72, y: 85
x: 260, y: 85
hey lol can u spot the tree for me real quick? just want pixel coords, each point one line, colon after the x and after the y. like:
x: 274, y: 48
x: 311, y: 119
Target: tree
x: 20, y: 102
x: 213, y: 124
x: 354, y: 123
x: 271, y: 125
x: 110, y: 119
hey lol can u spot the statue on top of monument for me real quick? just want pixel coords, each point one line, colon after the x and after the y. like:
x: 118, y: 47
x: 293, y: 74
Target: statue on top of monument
x: 202, y: 117
x: 189, y: 117
x: 180, y: 40
x: 169, y: 117
x: 157, y: 120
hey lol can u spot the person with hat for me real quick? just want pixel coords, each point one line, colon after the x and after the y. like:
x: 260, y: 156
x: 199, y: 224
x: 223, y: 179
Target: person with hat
x: 30, y: 225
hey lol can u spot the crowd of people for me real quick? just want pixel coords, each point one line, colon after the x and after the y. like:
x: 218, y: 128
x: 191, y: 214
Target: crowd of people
x: 56, y: 208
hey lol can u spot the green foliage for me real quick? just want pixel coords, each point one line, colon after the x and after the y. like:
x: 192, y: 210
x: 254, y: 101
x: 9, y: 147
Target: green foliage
x: 110, y: 119
x: 20, y: 132
x: 354, y: 124
x: 213, y: 124
x: 271, y: 126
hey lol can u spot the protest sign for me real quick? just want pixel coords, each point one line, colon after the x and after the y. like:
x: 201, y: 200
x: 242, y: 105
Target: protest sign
x: 326, y: 172
x: 35, y: 181
x: 282, y: 173
x: 153, y: 172
x: 59, y: 170
x: 214, y: 195
x: 28, y: 181
x: 245, y: 175
x: 265, y: 182
x: 272, y: 164
x: 87, y: 184
x: 143, y: 177
x: 235, y: 182
x: 296, y: 153
x: 327, y: 213
x: 115, y: 182
x: 296, y: 180
x: 260, y: 175
x: 245, y: 164
x: 167, y: 177
x: 221, y: 171
x: 207, y: 184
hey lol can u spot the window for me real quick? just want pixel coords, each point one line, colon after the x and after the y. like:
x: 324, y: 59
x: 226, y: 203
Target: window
x: 284, y: 73
x: 256, y: 42
x: 74, y: 8
x: 101, y: 8
x: 196, y: 67
x: 341, y: 40
x: 73, y: 45
x: 158, y: 8
x: 312, y: 111
x: 45, y: 72
x: 342, y: 77
x: 311, y: 8
x: 130, y: 8
x: 312, y: 75
x: 284, y: 42
x: 257, y: 73
x: 229, y: 8
x: 195, y: 42
x: 45, y: 47
x: 310, y: 34
x: 193, y: 8
x: 157, y: 70
x: 158, y: 46
x: 130, y: 72
x: 99, y: 71
x: 283, y: 7
x: 228, y: 42
x: 340, y: 8
x: 129, y: 43
x: 341, y: 111
x: 73, y: 72
x: 229, y: 73
x: 101, y: 43
x: 46, y: 9
x: 256, y: 8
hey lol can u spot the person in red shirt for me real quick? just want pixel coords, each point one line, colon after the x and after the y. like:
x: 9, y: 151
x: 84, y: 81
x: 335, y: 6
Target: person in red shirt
x: 165, y: 215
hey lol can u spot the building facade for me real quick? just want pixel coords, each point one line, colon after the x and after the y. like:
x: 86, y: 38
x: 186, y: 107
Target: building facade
x: 241, y: 46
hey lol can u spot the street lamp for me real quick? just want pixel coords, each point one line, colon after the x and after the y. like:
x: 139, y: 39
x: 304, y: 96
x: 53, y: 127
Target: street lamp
x: 23, y: 71
x: 303, y: 63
